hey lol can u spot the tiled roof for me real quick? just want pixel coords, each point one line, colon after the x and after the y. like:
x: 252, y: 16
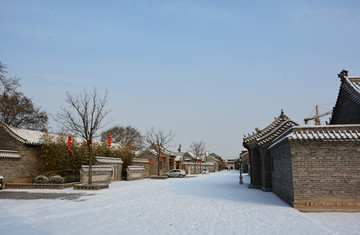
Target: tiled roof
x: 179, y: 157
x: 326, y: 133
x: 24, y: 136
x: 153, y: 151
x: 280, y: 125
x: 108, y: 160
x: 9, y: 154
x: 351, y: 86
x: 35, y: 137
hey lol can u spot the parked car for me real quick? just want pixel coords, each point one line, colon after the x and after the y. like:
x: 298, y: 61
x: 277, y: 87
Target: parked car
x: 205, y: 171
x: 175, y: 173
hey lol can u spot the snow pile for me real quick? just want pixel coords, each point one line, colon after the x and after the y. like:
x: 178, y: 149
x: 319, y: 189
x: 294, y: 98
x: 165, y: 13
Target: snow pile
x: 206, y: 204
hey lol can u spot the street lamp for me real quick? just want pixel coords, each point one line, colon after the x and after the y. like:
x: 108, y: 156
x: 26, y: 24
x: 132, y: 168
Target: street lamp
x: 241, y: 177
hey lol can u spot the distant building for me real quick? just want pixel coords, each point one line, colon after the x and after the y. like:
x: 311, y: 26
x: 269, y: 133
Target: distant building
x: 230, y: 163
x: 219, y: 163
x: 20, y: 150
x: 154, y: 164
x: 244, y: 155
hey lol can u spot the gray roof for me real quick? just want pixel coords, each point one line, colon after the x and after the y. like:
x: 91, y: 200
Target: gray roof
x: 108, y: 160
x: 351, y: 85
x: 326, y: 133
x: 36, y: 137
x: 24, y: 136
x: 329, y: 133
x: 275, y: 129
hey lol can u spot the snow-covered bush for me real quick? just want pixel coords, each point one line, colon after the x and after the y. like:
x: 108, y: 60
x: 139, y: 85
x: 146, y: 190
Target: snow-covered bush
x: 41, y: 179
x: 56, y: 179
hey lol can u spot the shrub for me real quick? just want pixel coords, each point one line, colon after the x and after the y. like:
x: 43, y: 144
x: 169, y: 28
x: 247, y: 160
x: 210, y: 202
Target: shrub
x: 41, y: 179
x: 56, y: 179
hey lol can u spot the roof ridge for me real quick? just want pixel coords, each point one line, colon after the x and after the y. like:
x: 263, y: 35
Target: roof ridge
x: 10, y: 131
x: 271, y: 128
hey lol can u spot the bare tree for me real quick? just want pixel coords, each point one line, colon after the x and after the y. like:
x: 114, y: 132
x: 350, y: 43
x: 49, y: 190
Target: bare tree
x: 158, y: 140
x: 125, y: 135
x: 16, y: 109
x: 84, y: 117
x: 198, y: 147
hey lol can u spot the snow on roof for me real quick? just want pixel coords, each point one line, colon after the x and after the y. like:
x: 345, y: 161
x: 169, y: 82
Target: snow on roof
x: 214, y: 159
x: 326, y: 133
x: 35, y: 137
x: 108, y: 160
x: 191, y: 154
x: 280, y: 125
x: 23, y: 135
x: 322, y: 133
x: 179, y: 157
x: 352, y: 87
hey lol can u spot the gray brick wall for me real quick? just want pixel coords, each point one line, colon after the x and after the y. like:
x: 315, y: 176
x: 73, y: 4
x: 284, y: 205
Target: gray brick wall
x: 23, y: 170
x: 282, y: 178
x: 326, y: 175
x: 153, y: 169
x: 255, y: 167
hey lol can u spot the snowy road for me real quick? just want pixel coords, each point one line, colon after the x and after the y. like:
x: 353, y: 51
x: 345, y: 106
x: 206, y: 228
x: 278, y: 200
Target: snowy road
x: 206, y: 204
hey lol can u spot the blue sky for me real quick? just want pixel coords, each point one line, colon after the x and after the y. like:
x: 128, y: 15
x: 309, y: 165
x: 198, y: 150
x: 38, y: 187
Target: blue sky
x: 208, y: 70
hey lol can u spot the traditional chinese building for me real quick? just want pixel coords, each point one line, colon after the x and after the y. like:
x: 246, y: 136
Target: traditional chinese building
x: 317, y: 168
x: 347, y: 108
x: 19, y: 154
x: 258, y: 146
x: 20, y: 150
x: 154, y: 164
x: 313, y: 168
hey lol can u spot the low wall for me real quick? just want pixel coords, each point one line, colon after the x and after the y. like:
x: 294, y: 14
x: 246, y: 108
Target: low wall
x: 100, y: 174
x: 135, y: 172
x: 38, y: 186
x: 144, y: 163
x: 115, y: 163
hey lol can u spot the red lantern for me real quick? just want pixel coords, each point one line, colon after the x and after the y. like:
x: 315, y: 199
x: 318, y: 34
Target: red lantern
x: 109, y: 140
x: 162, y: 157
x: 69, y: 142
x: 150, y: 162
x: 157, y: 159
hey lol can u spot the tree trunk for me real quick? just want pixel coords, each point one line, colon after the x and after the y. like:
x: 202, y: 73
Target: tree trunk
x: 90, y: 163
x: 159, y: 165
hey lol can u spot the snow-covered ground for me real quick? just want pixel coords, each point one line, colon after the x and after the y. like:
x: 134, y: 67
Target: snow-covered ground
x: 205, y: 204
